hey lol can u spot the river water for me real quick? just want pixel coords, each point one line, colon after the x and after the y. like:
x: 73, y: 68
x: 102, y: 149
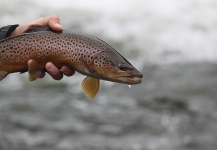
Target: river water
x: 172, y: 42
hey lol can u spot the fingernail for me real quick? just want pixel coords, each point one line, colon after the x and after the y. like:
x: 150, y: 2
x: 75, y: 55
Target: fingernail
x: 49, y: 66
x: 57, y: 25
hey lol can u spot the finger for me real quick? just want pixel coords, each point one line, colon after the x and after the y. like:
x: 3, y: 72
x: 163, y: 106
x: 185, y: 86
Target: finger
x: 67, y: 71
x: 54, y: 23
x: 51, y: 21
x: 42, y: 75
x: 53, y: 71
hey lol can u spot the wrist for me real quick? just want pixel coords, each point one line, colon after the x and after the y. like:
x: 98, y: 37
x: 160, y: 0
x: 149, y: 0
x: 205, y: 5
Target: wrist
x: 7, y: 30
x: 16, y: 31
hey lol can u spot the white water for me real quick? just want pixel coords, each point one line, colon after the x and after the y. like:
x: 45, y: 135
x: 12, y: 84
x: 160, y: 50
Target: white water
x: 161, y: 30
x: 173, y: 108
x: 156, y: 31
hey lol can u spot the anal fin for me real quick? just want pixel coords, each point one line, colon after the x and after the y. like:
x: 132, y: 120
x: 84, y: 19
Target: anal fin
x: 34, y: 70
x: 3, y: 74
x: 90, y: 86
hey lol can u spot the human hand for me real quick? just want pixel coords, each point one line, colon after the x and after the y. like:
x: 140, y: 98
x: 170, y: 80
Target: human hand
x: 54, y: 23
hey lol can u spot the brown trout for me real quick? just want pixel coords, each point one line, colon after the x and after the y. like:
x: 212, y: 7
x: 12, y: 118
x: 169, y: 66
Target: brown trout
x: 84, y: 53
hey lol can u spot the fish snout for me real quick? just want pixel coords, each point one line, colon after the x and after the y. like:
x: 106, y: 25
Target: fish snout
x: 136, y: 77
x: 130, y: 77
x: 137, y: 74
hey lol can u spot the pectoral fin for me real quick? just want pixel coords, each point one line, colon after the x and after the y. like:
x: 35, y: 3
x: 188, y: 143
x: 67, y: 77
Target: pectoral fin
x: 34, y: 70
x: 90, y: 86
x: 3, y: 74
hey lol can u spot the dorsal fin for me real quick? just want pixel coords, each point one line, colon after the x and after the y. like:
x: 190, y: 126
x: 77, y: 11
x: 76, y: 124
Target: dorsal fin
x: 39, y: 28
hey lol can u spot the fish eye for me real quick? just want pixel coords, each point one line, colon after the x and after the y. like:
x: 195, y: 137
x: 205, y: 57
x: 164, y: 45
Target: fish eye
x: 124, y: 67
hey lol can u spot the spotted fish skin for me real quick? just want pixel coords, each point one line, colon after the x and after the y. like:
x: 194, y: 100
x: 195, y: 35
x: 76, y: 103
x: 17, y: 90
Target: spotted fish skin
x: 70, y: 49
x: 84, y: 53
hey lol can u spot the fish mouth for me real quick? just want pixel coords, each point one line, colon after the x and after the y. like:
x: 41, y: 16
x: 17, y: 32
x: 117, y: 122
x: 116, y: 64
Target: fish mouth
x: 129, y: 78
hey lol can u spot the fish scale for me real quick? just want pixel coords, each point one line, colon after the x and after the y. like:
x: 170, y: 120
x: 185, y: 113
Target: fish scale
x: 84, y: 53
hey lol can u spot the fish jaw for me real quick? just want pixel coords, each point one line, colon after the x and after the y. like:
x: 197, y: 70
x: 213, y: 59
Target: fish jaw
x: 127, y: 77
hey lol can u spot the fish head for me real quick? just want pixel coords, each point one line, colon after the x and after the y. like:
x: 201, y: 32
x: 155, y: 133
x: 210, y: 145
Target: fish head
x: 111, y: 66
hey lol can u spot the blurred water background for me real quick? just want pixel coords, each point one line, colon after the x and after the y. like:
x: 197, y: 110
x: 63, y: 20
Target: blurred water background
x: 174, y: 44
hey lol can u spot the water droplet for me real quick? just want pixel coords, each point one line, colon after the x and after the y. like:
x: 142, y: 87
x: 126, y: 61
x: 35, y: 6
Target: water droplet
x: 129, y: 86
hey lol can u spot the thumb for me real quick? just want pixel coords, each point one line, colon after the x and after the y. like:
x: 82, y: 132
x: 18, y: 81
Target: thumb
x: 53, y: 22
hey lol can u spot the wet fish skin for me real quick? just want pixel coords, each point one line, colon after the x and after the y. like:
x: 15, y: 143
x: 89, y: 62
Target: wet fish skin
x: 86, y: 54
